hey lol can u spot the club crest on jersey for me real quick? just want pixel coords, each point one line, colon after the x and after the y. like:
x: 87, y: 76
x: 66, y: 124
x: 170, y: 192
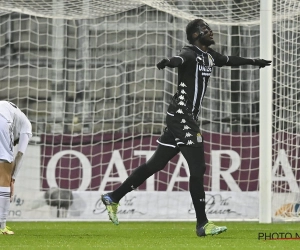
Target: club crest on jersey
x: 179, y: 111
x: 182, y: 84
x: 199, y: 137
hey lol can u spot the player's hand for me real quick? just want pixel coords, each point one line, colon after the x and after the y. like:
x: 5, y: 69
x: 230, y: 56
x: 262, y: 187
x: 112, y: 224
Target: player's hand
x: 261, y: 63
x: 163, y: 63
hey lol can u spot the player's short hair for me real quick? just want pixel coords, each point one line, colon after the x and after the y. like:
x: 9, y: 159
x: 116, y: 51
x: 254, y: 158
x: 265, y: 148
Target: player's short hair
x: 191, y: 28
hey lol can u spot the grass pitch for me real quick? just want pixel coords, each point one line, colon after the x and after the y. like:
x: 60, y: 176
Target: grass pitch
x: 147, y: 235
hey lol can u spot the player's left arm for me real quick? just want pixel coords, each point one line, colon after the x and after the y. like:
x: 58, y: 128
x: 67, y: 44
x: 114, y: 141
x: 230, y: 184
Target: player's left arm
x: 17, y: 164
x: 239, y: 61
x: 222, y: 60
x: 23, y: 143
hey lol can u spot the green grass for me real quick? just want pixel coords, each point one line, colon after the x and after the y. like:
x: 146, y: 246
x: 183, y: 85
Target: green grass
x: 143, y: 235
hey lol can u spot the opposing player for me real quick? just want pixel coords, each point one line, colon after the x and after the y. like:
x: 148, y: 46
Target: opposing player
x: 15, y: 128
x: 182, y: 134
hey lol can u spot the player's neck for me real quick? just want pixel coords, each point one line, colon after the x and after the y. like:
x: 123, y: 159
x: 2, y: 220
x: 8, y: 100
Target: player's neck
x: 201, y: 46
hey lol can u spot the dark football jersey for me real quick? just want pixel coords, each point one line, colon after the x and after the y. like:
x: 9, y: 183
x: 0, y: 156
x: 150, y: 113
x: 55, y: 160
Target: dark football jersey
x: 193, y: 75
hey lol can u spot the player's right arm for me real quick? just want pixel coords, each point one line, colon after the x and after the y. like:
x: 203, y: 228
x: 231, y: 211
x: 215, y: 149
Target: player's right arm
x: 172, y: 62
x: 183, y: 58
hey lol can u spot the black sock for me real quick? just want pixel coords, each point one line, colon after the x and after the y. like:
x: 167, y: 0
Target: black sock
x: 198, y: 198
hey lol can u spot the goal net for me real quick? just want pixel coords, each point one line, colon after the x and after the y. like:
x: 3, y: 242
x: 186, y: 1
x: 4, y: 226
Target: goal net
x: 286, y: 106
x: 85, y: 74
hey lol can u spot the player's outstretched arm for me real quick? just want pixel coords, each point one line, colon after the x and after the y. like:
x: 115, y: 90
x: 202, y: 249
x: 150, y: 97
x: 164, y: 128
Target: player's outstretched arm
x: 238, y: 61
x: 169, y: 62
x: 261, y: 62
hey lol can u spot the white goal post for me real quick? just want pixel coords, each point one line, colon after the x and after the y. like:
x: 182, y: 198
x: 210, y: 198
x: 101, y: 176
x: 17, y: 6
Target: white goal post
x: 265, y: 114
x: 84, y: 72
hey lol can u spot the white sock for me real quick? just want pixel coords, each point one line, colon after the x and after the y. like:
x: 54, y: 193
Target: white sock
x: 4, y: 205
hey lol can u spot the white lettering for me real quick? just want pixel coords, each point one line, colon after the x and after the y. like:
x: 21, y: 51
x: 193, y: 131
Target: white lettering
x: 85, y: 164
x: 116, y: 160
x: 216, y: 169
x: 205, y: 68
x: 282, y: 160
x: 150, y: 181
x: 282, y: 170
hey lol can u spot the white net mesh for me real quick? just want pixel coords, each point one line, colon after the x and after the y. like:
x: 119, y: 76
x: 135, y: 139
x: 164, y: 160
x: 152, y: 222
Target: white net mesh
x: 286, y: 107
x: 219, y: 11
x: 84, y: 72
x: 69, y: 9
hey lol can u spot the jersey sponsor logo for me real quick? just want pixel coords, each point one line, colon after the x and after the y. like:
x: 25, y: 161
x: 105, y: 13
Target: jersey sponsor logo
x: 205, y: 69
x: 188, y: 134
x: 183, y: 121
x: 182, y: 85
x: 179, y: 111
x: 186, y: 127
x: 189, y: 142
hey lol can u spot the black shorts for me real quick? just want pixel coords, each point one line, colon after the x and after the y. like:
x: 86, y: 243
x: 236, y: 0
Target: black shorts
x: 181, y: 128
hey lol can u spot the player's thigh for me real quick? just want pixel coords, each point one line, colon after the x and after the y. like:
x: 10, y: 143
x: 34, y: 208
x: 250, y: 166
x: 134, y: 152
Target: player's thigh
x: 5, y: 174
x: 162, y: 155
x: 195, y: 159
